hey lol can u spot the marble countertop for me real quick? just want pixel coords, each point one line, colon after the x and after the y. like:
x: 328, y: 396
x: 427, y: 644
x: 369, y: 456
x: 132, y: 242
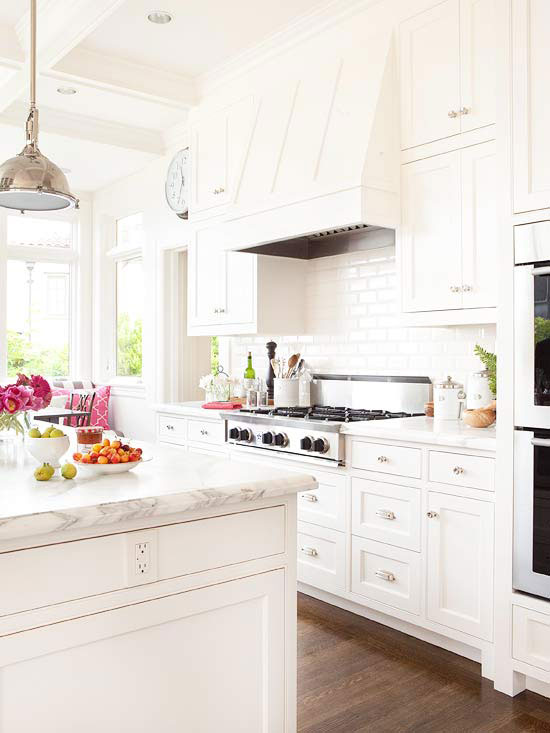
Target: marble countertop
x: 452, y: 433
x: 174, y: 481
x: 192, y: 408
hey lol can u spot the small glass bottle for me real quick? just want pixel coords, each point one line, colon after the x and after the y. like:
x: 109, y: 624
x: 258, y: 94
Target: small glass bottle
x: 249, y: 374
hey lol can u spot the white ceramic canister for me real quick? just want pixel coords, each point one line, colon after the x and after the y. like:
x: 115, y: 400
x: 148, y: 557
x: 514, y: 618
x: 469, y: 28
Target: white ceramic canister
x: 286, y: 392
x: 478, y: 392
x: 449, y: 399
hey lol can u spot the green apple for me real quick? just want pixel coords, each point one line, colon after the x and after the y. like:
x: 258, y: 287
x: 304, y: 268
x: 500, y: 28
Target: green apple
x: 68, y: 471
x: 34, y: 433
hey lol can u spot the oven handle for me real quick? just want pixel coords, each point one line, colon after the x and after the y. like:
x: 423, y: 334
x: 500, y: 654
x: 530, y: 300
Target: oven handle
x: 541, y: 442
x: 540, y: 271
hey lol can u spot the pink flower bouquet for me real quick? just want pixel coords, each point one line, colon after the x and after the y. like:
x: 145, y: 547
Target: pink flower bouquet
x: 16, y: 400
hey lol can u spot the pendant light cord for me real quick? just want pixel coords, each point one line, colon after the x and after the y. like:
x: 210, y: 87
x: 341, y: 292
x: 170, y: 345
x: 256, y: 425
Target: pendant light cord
x: 31, y: 127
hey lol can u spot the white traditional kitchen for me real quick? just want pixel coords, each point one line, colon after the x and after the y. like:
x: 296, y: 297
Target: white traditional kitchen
x: 274, y: 381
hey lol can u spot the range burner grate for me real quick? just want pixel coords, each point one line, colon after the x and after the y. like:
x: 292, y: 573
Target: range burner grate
x: 324, y: 413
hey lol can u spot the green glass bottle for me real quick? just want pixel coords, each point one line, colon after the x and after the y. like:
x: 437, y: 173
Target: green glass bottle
x: 249, y: 374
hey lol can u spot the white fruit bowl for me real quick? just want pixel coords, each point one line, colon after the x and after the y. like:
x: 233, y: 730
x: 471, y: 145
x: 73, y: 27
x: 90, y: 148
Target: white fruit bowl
x: 101, y: 468
x: 48, y: 450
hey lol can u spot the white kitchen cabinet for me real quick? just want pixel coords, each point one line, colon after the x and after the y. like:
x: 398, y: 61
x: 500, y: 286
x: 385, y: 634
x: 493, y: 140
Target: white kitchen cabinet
x: 238, y: 292
x: 449, y: 230
x: 448, y: 79
x: 460, y: 535
x: 219, y: 142
x: 531, y: 111
x: 165, y: 657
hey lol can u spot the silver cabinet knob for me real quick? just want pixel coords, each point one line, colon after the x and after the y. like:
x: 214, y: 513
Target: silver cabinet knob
x: 169, y: 427
x: 311, y: 551
x: 452, y: 114
x: 464, y: 110
x: 432, y: 515
x: 467, y: 288
x: 458, y: 470
x: 204, y: 432
x: 382, y: 459
x: 385, y: 514
x: 310, y: 497
x: 385, y: 575
x: 221, y: 310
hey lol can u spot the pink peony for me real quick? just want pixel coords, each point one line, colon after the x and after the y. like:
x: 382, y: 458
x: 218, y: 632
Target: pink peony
x: 16, y: 398
x: 41, y: 390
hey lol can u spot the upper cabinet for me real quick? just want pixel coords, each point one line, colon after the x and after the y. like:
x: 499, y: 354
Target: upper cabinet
x: 448, y: 78
x: 219, y: 141
x: 449, y: 231
x: 531, y: 107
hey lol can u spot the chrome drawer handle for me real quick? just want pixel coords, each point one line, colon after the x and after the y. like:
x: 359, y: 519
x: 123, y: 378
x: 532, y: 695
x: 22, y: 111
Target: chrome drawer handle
x: 204, y: 432
x: 457, y: 470
x: 385, y: 514
x: 382, y: 459
x: 169, y: 427
x: 311, y: 551
x: 464, y: 110
x: 432, y: 515
x: 455, y: 288
x: 310, y: 497
x: 452, y: 114
x: 467, y: 288
x: 385, y: 575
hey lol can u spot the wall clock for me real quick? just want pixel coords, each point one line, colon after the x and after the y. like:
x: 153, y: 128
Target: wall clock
x: 177, y: 184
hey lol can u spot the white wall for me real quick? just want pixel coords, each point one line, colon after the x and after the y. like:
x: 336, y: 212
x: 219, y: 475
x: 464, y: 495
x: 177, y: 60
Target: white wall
x: 353, y: 325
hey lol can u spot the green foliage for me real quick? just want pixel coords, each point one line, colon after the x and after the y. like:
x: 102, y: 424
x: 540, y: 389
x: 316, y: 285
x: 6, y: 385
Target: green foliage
x: 542, y: 329
x: 129, y: 346
x: 489, y: 361
x: 24, y: 356
x: 214, y: 354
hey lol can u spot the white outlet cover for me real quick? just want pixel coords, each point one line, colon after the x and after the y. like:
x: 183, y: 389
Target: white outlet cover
x: 135, y: 576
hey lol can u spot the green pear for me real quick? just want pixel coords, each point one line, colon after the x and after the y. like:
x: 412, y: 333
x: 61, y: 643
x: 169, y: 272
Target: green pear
x: 56, y: 433
x: 44, y: 473
x: 68, y: 471
x: 34, y: 433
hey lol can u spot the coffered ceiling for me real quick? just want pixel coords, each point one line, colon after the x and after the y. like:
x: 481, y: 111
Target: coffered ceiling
x: 134, y: 81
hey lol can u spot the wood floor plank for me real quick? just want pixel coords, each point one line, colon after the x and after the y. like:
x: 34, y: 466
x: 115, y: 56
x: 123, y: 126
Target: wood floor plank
x: 357, y: 676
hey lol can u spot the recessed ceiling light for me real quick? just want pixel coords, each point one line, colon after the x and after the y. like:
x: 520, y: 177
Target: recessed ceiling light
x: 160, y: 17
x: 66, y: 90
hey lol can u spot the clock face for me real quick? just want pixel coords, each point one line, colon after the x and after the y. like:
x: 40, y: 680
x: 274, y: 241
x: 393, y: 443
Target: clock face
x: 177, y: 183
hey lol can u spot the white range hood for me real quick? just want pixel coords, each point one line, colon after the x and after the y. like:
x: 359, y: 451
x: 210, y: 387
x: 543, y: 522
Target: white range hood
x: 323, y: 153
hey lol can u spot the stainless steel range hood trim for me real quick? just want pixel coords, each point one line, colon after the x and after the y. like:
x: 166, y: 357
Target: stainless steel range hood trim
x: 373, y: 378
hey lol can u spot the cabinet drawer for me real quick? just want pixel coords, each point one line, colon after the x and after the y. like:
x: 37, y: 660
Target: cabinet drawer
x: 386, y: 513
x: 44, y: 576
x: 203, y: 431
x: 325, y: 505
x: 173, y: 429
x: 474, y: 472
x: 392, y: 459
x: 386, y: 574
x: 531, y: 637
x: 321, y: 557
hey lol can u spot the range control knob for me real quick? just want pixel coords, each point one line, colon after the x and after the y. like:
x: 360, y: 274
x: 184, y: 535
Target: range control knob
x: 234, y: 434
x: 281, y: 439
x: 307, y: 443
x: 245, y: 435
x: 321, y: 445
x: 267, y: 438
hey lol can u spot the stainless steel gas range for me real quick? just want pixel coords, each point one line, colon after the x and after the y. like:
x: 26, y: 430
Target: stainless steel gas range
x: 314, y: 433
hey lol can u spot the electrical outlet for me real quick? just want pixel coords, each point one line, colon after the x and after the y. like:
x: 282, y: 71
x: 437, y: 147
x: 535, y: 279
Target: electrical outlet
x: 143, y: 558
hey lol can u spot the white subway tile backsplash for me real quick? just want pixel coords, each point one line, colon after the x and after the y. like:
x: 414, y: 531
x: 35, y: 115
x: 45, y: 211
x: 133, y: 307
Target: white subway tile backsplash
x: 354, y: 324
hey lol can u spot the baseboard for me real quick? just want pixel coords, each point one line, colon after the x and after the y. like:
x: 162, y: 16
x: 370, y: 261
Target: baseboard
x: 431, y: 637
x: 541, y: 688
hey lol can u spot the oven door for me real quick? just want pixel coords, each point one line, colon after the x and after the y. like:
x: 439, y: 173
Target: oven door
x: 532, y: 512
x: 532, y: 346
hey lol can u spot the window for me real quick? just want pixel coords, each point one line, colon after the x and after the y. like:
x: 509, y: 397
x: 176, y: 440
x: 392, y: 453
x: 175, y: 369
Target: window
x: 39, y: 279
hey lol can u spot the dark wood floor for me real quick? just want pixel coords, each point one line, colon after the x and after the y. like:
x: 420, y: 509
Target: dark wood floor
x: 356, y: 676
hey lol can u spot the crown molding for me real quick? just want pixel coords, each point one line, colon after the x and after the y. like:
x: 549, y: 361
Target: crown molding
x: 304, y: 27
x: 91, y: 68
x: 82, y: 127
x: 176, y: 137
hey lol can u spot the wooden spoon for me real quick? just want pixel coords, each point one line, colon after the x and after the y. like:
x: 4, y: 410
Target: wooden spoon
x: 294, y: 359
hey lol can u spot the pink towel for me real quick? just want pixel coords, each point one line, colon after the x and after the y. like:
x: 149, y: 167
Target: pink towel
x: 222, y: 406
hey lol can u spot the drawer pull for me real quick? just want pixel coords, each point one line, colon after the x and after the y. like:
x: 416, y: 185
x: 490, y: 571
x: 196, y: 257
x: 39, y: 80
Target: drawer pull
x: 385, y: 575
x: 432, y: 515
x: 169, y: 427
x: 310, y: 497
x: 204, y: 432
x: 385, y: 514
x: 382, y: 459
x: 458, y: 470
x: 311, y: 551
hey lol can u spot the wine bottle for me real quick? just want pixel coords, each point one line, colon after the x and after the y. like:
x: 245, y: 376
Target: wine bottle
x: 249, y: 374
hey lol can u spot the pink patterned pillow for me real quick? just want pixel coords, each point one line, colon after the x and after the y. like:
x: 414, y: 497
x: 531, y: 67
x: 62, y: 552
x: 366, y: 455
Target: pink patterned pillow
x: 100, y: 408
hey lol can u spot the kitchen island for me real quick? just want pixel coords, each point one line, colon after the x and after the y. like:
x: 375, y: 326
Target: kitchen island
x: 160, y: 599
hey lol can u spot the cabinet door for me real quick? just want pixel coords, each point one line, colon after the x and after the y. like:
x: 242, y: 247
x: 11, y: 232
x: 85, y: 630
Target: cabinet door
x: 205, y: 268
x: 209, y: 156
x: 430, y: 234
x: 531, y: 110
x: 156, y: 666
x: 479, y: 225
x: 477, y: 63
x: 460, y: 564
x: 238, y: 285
x: 430, y: 75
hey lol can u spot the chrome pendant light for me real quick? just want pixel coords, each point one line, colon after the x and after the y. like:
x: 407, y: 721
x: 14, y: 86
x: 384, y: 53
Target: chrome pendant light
x: 31, y: 182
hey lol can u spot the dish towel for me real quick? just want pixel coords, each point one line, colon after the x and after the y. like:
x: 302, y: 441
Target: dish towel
x: 222, y: 406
